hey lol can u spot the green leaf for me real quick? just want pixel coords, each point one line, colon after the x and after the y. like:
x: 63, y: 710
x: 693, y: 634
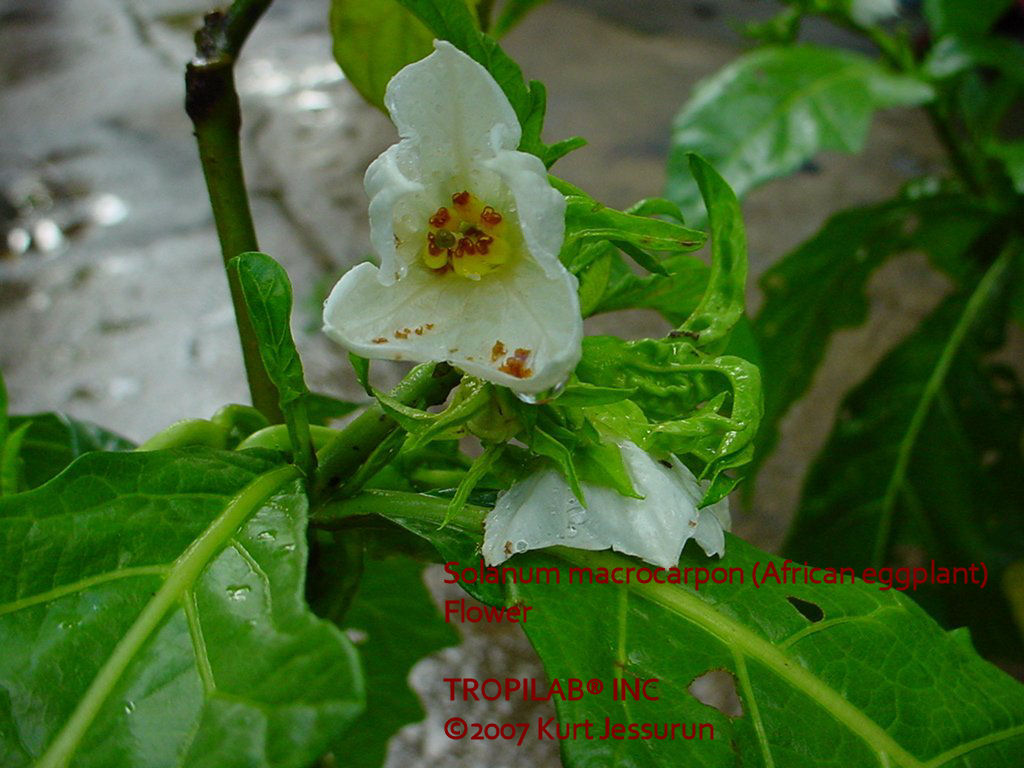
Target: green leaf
x: 512, y: 14
x: 268, y: 297
x: 850, y: 689
x: 964, y: 18
x: 826, y: 674
x: 478, y: 469
x: 953, y: 55
x: 820, y: 287
x: 674, y: 297
x: 373, y: 39
x: 706, y: 406
x: 770, y: 110
x: 397, y: 624
x: 587, y: 220
x: 1011, y: 155
x: 55, y: 440
x: 722, y: 305
x: 12, y: 466
x: 578, y: 394
x: 601, y: 464
x: 152, y: 613
x: 924, y: 463
x: 361, y: 368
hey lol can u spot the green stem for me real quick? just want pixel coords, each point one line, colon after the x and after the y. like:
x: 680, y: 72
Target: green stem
x: 424, y: 386
x: 212, y: 104
x: 415, y: 506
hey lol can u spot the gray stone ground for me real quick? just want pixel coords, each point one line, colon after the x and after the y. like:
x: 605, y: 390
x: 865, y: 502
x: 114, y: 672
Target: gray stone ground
x: 113, y: 304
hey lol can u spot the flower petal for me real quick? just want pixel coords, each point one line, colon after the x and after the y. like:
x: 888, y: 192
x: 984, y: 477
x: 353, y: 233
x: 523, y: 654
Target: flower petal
x: 517, y: 328
x: 452, y: 107
x: 541, y: 511
x: 540, y: 207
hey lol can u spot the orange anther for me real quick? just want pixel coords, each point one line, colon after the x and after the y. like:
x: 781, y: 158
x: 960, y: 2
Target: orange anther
x: 460, y: 198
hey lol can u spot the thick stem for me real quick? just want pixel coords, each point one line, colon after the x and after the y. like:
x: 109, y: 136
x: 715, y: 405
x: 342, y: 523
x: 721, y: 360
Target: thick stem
x: 425, y: 385
x: 212, y: 104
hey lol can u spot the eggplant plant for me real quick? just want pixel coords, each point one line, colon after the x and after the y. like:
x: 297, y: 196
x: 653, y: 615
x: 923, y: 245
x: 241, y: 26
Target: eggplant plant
x: 246, y: 589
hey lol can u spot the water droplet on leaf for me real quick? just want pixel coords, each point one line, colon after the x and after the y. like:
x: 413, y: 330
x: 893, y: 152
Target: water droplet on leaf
x: 238, y: 592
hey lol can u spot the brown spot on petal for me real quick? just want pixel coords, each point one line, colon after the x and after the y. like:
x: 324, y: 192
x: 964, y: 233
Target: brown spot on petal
x: 380, y: 340
x: 497, y: 351
x: 403, y: 334
x: 513, y: 366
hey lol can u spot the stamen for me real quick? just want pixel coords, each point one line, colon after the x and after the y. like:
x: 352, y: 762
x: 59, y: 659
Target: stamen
x: 463, y: 239
x: 440, y: 218
x: 490, y: 216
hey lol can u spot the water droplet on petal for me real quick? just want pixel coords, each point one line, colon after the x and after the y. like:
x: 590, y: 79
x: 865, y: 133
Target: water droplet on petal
x: 539, y: 398
x: 266, y: 535
x: 129, y: 707
x: 521, y: 546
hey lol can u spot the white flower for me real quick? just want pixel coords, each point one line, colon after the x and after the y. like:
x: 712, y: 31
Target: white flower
x: 541, y: 511
x: 468, y: 231
x: 868, y: 12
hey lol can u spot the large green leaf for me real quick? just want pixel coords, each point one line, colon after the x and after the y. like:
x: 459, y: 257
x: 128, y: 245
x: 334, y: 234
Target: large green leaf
x: 770, y: 110
x: 826, y: 674
x: 373, y: 39
x: 152, y: 613
x: 54, y: 440
x: 924, y: 463
x: 820, y: 287
x: 396, y: 624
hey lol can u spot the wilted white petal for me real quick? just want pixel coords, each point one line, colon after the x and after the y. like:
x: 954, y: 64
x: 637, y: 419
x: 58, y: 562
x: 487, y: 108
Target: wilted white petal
x: 468, y: 231
x: 541, y: 511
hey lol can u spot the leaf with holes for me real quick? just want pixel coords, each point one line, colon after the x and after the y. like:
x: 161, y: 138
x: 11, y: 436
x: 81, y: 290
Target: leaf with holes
x: 924, y: 462
x: 826, y: 675
x: 152, y: 613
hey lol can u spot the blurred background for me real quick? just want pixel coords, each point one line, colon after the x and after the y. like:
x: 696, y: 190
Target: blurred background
x: 113, y: 301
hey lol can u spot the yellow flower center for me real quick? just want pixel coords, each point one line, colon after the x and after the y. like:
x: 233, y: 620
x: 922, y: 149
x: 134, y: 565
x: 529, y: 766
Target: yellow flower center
x: 467, y: 237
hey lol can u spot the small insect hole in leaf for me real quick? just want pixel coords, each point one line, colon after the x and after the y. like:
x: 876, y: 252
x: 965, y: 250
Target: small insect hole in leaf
x: 716, y: 688
x: 808, y: 610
